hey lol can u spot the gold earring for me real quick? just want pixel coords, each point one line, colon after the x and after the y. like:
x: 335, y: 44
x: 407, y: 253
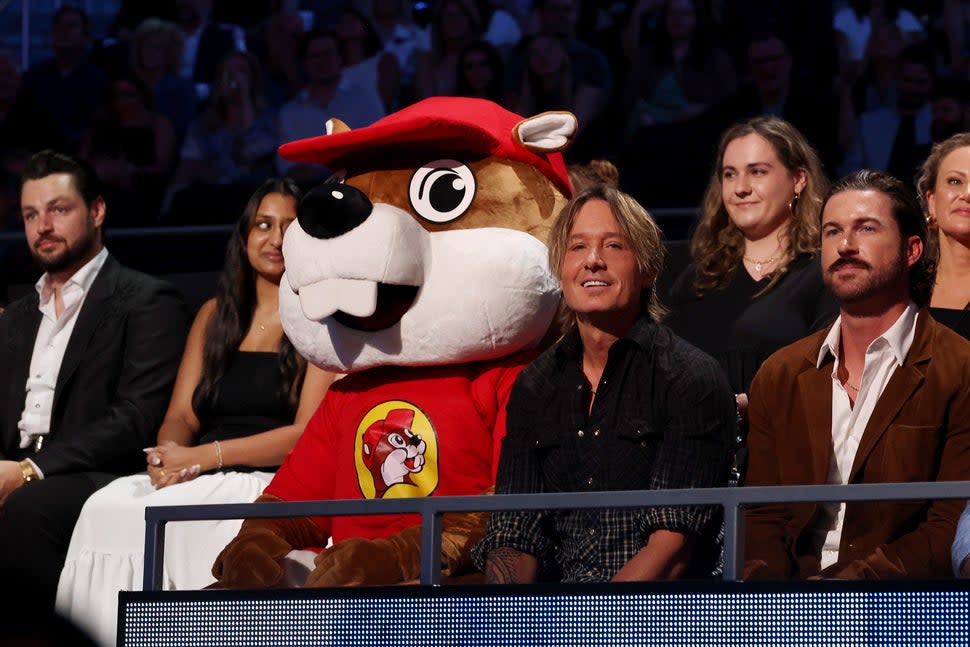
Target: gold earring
x: 793, y: 202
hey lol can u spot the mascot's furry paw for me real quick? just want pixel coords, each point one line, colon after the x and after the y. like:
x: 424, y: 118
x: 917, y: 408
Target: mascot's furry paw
x: 397, y: 559
x: 357, y: 561
x: 253, y: 559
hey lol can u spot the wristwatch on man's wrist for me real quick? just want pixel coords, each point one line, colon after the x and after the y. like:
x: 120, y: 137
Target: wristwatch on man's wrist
x: 27, y: 468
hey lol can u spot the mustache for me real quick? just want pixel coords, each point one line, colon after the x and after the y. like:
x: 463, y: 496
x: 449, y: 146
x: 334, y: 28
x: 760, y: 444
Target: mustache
x: 848, y: 262
x: 48, y: 238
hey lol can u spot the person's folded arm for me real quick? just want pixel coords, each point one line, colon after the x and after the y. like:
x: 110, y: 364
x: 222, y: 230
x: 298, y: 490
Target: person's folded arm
x: 666, y: 556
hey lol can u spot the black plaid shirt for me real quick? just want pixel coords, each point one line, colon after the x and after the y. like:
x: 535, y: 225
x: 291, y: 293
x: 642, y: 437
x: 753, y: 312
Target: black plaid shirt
x: 663, y: 417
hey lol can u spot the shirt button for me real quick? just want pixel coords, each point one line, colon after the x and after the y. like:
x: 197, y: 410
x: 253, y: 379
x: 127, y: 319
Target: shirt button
x: 643, y: 443
x: 592, y: 531
x: 589, y: 481
x: 37, y: 376
x: 580, y: 433
x: 596, y: 432
x: 37, y: 406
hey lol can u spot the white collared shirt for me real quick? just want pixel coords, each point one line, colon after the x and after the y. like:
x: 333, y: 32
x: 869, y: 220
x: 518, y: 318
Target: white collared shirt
x: 886, y: 352
x: 51, y: 343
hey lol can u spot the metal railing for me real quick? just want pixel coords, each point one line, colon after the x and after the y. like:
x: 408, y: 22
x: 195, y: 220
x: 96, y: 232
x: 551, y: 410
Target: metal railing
x: 431, y: 509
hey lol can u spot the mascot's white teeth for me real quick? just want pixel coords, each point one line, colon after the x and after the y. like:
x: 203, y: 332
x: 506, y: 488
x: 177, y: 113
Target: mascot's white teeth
x: 357, y: 297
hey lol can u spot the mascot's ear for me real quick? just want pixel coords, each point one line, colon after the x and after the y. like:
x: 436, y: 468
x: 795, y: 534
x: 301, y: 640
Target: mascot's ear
x: 547, y: 132
x: 335, y: 126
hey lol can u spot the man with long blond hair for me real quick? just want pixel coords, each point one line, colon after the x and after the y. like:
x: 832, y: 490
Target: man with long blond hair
x: 619, y: 403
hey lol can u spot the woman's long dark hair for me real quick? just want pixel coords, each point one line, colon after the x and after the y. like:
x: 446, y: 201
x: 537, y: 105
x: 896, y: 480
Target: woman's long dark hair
x: 235, y: 303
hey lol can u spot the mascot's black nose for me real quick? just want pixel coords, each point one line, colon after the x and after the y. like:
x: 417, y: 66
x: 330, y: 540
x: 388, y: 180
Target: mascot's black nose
x: 332, y: 209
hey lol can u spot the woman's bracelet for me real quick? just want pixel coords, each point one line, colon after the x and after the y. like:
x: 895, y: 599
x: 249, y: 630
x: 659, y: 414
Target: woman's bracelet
x: 218, y: 453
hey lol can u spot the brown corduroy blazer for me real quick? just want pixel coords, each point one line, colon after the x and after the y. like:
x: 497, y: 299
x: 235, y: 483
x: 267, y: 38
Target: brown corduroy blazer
x: 919, y: 431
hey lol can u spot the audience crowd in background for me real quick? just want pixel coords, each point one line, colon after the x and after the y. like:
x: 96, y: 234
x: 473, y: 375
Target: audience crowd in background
x: 744, y: 112
x: 181, y: 104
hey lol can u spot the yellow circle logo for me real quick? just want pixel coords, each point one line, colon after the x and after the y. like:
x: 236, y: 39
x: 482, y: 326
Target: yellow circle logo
x: 396, y: 452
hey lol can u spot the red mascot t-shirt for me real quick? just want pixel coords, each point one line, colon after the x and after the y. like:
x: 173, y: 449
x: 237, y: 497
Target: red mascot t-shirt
x: 400, y: 432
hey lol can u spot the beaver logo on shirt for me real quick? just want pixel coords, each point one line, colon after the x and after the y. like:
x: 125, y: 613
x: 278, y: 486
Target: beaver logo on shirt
x: 396, y: 452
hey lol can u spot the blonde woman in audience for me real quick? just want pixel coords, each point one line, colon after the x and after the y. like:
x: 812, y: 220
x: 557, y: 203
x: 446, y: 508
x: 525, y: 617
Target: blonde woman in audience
x: 944, y: 188
x: 755, y: 283
x: 240, y: 402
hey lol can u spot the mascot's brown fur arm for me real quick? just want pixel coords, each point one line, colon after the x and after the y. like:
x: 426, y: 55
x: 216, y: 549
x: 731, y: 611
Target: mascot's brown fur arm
x: 252, y: 560
x: 397, y: 559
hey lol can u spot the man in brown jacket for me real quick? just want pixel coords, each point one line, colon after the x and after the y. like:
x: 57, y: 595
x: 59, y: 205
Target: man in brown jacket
x: 880, y: 397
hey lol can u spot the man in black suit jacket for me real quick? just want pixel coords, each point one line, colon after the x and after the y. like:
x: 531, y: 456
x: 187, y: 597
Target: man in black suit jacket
x: 88, y: 363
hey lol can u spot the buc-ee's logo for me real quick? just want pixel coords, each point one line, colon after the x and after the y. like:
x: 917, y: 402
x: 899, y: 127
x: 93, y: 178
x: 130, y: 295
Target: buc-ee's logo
x: 396, y: 452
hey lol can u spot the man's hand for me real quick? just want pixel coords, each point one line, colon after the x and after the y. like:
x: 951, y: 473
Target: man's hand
x: 11, y: 478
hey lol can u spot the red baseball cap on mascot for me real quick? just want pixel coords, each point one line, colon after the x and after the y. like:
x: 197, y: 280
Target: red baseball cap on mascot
x: 453, y: 124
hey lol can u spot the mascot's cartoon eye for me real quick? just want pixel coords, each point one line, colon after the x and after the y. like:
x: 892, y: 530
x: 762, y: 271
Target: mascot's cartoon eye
x: 397, y: 440
x: 442, y: 190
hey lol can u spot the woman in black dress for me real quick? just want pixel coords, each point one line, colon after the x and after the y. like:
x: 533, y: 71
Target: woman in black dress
x: 944, y: 188
x: 755, y: 283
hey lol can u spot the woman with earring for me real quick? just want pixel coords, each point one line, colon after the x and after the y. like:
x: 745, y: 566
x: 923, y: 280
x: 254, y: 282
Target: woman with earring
x: 755, y: 283
x: 944, y: 188
x: 240, y: 402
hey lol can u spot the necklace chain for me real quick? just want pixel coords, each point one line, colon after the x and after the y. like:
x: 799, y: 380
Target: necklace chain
x: 761, y: 263
x: 759, y: 266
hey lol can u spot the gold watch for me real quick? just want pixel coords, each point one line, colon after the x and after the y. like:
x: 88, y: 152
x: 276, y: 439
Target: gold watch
x: 27, y: 468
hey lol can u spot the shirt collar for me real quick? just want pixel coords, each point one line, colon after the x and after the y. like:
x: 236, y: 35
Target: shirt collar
x: 899, y: 337
x: 83, y: 278
x: 641, y: 334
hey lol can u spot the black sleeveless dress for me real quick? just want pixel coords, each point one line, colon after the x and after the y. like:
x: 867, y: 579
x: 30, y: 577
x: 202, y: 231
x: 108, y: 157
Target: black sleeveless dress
x: 248, y: 401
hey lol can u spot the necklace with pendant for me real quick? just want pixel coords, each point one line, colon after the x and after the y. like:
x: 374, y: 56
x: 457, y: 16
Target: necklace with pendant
x: 759, y: 264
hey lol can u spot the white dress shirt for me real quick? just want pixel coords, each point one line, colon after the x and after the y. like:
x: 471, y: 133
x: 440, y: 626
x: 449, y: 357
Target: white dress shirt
x: 886, y: 352
x: 49, y: 347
